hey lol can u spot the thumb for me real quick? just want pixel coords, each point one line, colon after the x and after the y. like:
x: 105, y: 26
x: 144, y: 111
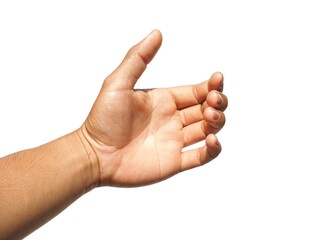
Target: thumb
x: 135, y: 62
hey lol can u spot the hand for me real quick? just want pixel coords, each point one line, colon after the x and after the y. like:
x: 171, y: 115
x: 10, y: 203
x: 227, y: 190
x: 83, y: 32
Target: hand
x: 137, y: 136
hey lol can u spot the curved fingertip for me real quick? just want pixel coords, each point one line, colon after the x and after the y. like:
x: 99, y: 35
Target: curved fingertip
x: 199, y: 156
x: 216, y: 82
x: 213, y: 145
x: 217, y: 100
x: 135, y: 62
x: 218, y: 75
x: 212, y: 140
x: 220, y: 80
x: 149, y: 46
x: 157, y: 33
x: 215, y: 118
x: 211, y: 115
x: 214, y: 99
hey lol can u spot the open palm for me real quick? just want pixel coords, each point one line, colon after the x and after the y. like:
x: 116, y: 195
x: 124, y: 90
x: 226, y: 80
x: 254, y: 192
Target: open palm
x: 138, y: 135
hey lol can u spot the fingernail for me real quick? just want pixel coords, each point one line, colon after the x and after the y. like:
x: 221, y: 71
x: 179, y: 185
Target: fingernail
x: 216, y: 116
x: 221, y: 86
x: 218, y: 143
x: 219, y: 99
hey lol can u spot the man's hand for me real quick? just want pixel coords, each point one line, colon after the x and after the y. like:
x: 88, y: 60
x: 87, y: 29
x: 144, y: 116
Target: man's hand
x: 130, y: 138
x: 136, y: 137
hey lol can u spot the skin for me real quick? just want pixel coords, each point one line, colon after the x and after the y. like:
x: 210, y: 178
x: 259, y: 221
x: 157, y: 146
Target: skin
x: 130, y: 138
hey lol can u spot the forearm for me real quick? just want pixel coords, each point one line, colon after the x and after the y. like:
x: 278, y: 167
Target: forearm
x: 37, y: 184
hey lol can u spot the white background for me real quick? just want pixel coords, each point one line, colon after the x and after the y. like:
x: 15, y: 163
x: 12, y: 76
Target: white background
x: 264, y: 185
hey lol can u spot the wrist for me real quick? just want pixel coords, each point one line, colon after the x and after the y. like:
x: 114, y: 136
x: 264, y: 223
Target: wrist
x: 89, y: 158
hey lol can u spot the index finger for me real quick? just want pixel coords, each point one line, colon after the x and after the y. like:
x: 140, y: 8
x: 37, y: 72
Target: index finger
x: 186, y: 96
